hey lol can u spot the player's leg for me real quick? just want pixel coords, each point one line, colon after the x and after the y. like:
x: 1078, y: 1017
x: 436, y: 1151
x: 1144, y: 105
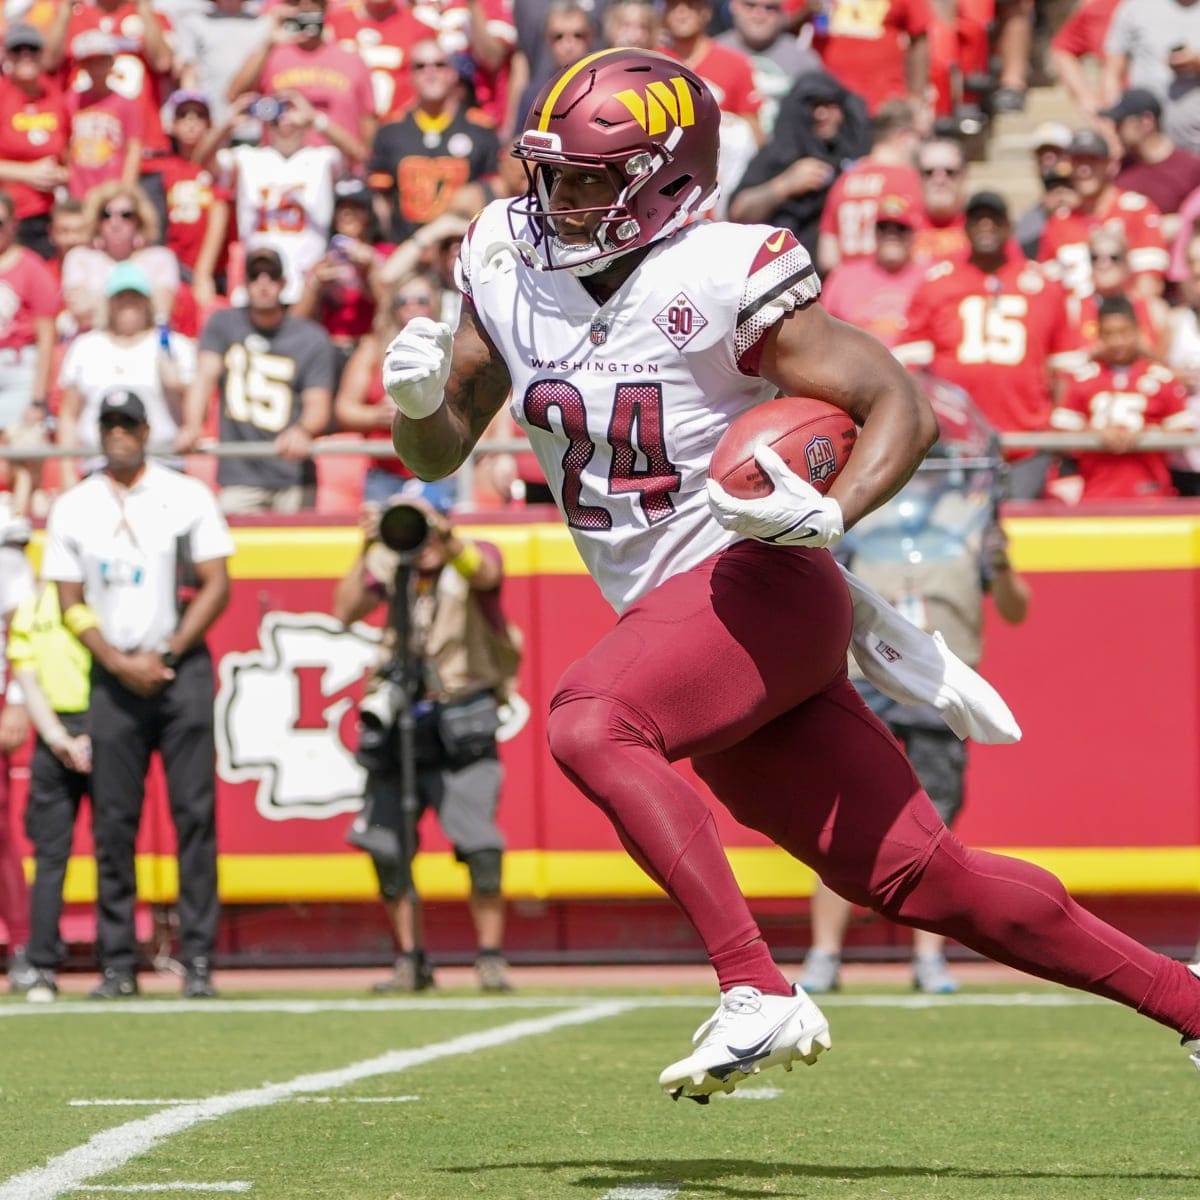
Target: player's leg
x: 702, y: 661
x: 830, y: 785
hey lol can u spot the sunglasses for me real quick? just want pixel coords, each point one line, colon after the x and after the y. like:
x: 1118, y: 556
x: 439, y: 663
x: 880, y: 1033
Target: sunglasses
x: 949, y: 172
x: 117, y: 421
x: 119, y: 214
x: 19, y: 51
x: 892, y: 227
x: 421, y: 301
x: 440, y: 65
x: 272, y: 273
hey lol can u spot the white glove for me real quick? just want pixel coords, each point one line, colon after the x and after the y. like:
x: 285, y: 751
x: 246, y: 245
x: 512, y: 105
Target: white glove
x: 912, y: 667
x: 416, y: 366
x: 793, y: 514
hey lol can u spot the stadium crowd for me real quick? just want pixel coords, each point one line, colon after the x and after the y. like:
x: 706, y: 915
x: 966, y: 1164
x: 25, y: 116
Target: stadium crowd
x: 225, y: 210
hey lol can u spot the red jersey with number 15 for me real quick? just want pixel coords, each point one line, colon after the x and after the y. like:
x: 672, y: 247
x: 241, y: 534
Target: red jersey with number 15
x: 1102, y: 396
x: 993, y: 335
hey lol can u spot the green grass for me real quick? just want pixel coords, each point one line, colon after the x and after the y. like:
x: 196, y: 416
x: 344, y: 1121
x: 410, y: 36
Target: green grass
x: 960, y: 1100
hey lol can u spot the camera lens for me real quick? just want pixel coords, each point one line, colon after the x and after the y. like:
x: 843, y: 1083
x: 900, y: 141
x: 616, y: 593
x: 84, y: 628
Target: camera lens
x: 403, y: 528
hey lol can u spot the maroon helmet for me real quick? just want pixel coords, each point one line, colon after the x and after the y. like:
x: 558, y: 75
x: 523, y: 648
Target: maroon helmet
x: 644, y: 119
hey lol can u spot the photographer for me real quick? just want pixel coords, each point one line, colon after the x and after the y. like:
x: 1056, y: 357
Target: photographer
x: 460, y: 658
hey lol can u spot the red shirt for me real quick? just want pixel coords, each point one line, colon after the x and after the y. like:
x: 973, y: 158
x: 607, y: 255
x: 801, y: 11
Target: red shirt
x: 993, y: 335
x: 27, y: 291
x: 100, y: 132
x: 730, y: 77
x: 131, y: 75
x: 190, y: 192
x: 853, y: 200
x: 347, y: 308
x: 862, y: 293
x: 31, y: 129
x: 936, y: 243
x: 1066, y: 235
x: 1083, y: 31
x: 865, y: 46
x: 383, y: 45
x: 491, y: 87
x: 1105, y: 397
x: 334, y: 81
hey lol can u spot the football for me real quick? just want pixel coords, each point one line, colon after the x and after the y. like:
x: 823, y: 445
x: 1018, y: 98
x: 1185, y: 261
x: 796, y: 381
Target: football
x: 812, y: 437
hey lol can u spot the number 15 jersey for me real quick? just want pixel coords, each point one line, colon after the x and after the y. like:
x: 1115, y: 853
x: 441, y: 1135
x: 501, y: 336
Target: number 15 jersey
x: 625, y: 401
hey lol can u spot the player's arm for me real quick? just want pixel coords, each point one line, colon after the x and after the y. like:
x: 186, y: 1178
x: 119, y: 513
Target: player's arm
x: 446, y: 400
x: 813, y: 354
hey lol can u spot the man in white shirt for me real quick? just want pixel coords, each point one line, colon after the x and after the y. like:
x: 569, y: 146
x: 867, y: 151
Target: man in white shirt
x: 120, y: 545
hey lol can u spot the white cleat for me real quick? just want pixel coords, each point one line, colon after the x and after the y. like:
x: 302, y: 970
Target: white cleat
x: 749, y: 1032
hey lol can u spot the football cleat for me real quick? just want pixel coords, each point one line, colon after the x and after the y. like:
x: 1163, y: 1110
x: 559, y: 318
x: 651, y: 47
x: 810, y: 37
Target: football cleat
x: 749, y: 1032
x: 1192, y: 1045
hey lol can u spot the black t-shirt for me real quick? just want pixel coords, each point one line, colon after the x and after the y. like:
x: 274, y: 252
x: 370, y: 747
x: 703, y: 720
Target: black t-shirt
x: 264, y: 375
x: 421, y: 169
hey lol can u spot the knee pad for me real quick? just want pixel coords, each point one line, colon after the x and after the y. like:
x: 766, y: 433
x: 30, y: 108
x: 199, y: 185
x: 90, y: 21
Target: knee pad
x: 394, y: 875
x: 484, y: 868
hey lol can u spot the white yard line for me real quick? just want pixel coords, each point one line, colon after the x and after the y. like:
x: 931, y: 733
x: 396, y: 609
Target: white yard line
x: 113, y: 1148
x: 641, y: 1191
x: 69, y: 1008
x: 154, y: 1103
x: 234, y: 1185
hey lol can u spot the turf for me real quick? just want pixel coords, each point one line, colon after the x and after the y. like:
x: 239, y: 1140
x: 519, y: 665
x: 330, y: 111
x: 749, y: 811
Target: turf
x: 1002, y: 1100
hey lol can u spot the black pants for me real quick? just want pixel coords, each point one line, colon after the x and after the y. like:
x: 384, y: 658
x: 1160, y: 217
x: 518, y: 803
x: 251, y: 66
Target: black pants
x: 126, y: 729
x: 55, y: 792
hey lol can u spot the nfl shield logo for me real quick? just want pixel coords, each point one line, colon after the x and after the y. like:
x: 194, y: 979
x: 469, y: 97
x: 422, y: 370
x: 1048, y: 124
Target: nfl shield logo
x: 821, y: 459
x: 599, y: 331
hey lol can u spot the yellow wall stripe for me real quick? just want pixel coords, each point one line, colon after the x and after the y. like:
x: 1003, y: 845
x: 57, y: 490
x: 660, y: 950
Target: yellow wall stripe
x: 567, y: 76
x: 762, y: 873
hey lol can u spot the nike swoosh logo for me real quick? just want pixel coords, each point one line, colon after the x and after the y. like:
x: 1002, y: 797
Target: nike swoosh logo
x: 775, y: 244
x: 760, y: 1048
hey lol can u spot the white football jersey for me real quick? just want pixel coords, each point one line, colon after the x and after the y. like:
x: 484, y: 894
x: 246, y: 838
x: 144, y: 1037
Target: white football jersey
x: 624, y: 402
x: 288, y: 203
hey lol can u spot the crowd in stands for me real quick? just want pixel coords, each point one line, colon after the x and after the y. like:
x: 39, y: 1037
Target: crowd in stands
x: 228, y: 207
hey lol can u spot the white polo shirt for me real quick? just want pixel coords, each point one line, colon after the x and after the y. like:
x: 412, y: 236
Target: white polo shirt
x: 121, y: 544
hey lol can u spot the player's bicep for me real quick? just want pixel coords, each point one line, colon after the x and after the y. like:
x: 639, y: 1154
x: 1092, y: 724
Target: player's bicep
x: 479, y: 381
x: 813, y: 354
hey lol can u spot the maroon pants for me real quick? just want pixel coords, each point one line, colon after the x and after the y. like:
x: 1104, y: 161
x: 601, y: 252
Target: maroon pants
x: 740, y: 665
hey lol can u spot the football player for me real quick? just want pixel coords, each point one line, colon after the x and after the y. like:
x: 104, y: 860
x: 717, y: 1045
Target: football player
x: 629, y: 334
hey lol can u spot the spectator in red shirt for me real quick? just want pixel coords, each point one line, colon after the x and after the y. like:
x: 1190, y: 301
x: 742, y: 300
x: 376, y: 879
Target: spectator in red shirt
x: 190, y: 194
x: 993, y: 323
x: 381, y: 33
x: 848, y: 220
x: 874, y: 293
x: 142, y: 61
x: 1101, y: 202
x: 879, y: 50
x: 34, y: 123
x: 298, y: 56
x: 1151, y: 164
x: 727, y: 72
x: 106, y: 127
x: 1119, y: 395
x: 1081, y: 36
x: 339, y: 291
x: 942, y: 234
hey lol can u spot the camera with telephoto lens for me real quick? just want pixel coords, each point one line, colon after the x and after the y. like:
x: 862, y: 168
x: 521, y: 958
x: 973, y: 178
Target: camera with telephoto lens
x: 404, y: 527
x: 377, y: 717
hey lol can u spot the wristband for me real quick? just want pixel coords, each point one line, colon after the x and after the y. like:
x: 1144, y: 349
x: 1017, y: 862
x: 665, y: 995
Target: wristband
x: 468, y: 560
x: 79, y: 618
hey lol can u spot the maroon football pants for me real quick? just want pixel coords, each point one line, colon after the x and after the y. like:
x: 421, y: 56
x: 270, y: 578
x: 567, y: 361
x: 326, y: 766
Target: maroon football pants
x: 740, y: 665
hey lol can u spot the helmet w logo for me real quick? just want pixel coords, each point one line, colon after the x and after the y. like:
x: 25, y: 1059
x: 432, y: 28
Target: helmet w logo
x: 660, y: 101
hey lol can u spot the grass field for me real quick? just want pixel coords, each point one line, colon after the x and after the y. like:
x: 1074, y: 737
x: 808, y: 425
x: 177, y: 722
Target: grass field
x: 551, y: 1095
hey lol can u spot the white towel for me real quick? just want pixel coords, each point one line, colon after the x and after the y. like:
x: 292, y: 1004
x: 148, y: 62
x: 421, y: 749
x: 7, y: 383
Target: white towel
x: 913, y: 667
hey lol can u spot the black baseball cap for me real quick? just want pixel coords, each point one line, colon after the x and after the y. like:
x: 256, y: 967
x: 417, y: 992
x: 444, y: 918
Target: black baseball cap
x: 1134, y: 103
x: 1087, y: 143
x: 351, y: 189
x: 264, y: 254
x: 123, y: 403
x: 991, y: 202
